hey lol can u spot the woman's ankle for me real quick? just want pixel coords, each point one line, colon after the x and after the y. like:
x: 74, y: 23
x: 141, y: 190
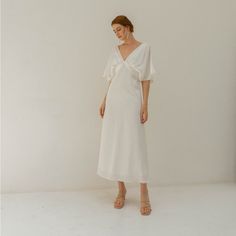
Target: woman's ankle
x: 122, y: 190
x: 121, y: 187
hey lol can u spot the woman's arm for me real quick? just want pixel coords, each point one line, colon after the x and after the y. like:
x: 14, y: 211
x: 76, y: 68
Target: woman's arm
x: 104, y: 100
x: 144, y: 107
x: 145, y: 87
x: 103, y: 105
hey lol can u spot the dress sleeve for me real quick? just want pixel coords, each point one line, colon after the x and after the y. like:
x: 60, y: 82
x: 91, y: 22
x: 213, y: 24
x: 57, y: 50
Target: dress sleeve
x: 147, y: 70
x: 109, y: 72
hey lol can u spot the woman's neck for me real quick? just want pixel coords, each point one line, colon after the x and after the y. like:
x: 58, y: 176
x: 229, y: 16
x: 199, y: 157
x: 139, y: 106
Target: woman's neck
x: 130, y: 40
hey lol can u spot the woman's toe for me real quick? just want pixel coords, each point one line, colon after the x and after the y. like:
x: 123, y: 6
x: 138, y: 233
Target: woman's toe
x: 145, y: 210
x: 118, y: 203
x: 148, y: 211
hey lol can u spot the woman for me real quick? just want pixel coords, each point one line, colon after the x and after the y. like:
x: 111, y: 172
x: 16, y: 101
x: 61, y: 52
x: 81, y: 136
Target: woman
x: 124, y: 109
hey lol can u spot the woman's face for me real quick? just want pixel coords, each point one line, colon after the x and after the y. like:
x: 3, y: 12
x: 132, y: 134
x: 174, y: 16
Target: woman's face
x: 120, y: 31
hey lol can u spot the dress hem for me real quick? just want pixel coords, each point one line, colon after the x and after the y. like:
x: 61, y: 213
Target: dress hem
x: 117, y: 178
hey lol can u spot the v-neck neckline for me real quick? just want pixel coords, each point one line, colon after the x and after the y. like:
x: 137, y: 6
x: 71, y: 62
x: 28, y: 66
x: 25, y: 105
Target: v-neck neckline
x: 119, y: 52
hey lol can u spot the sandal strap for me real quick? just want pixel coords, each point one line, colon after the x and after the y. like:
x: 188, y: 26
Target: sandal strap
x: 122, y: 195
x: 120, y: 199
x: 145, y: 203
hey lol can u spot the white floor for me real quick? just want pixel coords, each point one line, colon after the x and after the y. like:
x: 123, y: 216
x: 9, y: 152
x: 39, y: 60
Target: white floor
x: 197, y: 210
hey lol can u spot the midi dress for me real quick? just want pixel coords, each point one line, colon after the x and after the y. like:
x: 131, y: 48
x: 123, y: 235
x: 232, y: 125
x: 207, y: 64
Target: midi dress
x: 123, y: 148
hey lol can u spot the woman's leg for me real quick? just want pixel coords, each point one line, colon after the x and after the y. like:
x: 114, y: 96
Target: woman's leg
x: 145, y: 207
x: 120, y: 199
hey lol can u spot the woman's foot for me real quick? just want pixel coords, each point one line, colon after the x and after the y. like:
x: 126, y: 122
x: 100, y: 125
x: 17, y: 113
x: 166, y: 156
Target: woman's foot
x: 120, y: 199
x: 145, y: 206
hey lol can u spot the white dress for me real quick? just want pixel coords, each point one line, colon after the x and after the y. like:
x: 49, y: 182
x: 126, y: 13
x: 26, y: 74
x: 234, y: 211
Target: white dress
x: 123, y: 148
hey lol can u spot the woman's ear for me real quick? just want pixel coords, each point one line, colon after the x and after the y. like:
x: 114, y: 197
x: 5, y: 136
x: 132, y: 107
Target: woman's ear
x: 128, y: 28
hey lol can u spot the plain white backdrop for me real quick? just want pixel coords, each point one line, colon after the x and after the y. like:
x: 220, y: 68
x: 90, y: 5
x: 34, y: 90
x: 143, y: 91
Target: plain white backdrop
x: 53, y: 55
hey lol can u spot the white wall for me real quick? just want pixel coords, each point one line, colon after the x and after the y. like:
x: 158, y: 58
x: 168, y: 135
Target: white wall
x: 53, y: 53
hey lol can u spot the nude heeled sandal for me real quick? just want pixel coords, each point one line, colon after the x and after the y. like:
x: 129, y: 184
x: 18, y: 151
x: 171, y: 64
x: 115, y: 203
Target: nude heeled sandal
x: 121, y: 199
x: 144, y: 204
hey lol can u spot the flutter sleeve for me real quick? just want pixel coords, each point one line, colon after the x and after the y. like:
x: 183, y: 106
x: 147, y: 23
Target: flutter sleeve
x: 109, y: 71
x: 146, y: 68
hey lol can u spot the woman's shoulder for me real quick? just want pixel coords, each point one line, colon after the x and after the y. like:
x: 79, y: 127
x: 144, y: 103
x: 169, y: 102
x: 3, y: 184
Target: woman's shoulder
x: 147, y: 45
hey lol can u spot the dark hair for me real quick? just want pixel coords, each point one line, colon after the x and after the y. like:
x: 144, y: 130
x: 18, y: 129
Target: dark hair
x: 123, y: 20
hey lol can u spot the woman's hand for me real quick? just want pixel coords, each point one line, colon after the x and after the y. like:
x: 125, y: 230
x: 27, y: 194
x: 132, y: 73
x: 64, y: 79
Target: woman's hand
x: 143, y: 113
x: 102, y: 108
